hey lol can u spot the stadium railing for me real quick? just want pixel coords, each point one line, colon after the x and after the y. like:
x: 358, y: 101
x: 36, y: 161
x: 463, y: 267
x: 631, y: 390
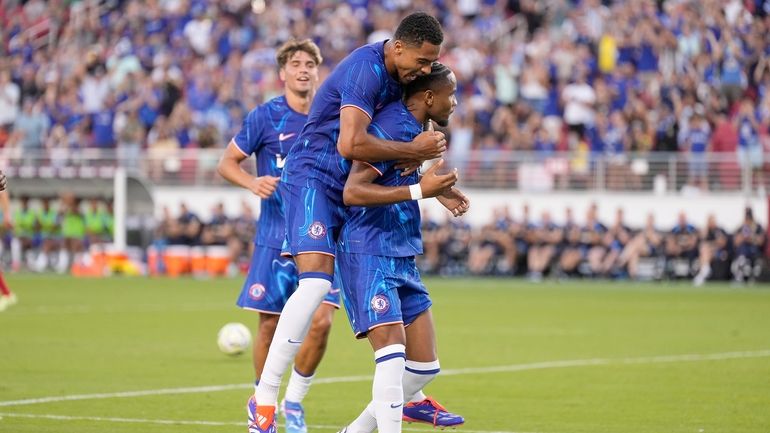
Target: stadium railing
x: 524, y: 171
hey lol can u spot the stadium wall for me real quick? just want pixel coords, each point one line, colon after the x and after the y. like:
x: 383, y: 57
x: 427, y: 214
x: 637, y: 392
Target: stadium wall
x: 728, y: 207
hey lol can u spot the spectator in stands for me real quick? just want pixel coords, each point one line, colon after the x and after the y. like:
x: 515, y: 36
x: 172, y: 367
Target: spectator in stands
x: 30, y: 131
x: 713, y: 249
x: 219, y: 229
x: 592, y: 241
x: 186, y: 229
x: 492, y: 250
x: 130, y: 136
x: 681, y: 247
x: 433, y: 238
x: 750, y: 153
x: 241, y: 244
x: 749, y: 242
x: 579, y: 99
x: 546, y: 238
x: 457, y: 245
x: 647, y: 243
x: 521, y: 232
x: 615, y: 142
x: 697, y: 141
x: 572, y: 251
x: 163, y: 149
x: 615, y: 241
x: 10, y: 95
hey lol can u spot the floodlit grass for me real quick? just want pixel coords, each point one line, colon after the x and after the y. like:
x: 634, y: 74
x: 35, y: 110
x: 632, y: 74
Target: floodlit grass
x: 575, y: 357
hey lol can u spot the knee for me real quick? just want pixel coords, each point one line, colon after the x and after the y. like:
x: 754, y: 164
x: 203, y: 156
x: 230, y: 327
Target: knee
x: 267, y: 325
x: 322, y: 323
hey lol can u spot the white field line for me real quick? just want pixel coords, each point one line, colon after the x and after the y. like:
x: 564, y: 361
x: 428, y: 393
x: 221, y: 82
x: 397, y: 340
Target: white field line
x: 183, y: 422
x: 449, y: 372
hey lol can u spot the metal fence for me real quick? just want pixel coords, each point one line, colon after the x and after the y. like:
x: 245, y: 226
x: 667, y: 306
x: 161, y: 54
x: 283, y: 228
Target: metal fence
x: 523, y: 171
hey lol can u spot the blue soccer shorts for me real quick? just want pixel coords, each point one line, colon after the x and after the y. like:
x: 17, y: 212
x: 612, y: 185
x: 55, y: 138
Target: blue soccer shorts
x: 271, y: 280
x: 380, y: 290
x: 313, y: 220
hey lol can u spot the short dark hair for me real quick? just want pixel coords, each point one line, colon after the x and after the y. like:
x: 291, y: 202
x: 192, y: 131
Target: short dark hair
x: 419, y: 27
x: 439, y: 75
x: 284, y: 53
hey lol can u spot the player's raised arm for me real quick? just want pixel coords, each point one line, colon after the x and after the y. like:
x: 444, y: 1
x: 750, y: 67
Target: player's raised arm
x: 360, y: 189
x: 356, y: 143
x: 229, y: 167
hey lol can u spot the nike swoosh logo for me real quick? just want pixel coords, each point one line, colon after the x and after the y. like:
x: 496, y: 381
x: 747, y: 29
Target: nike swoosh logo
x: 392, y: 405
x: 294, y: 341
x: 282, y: 137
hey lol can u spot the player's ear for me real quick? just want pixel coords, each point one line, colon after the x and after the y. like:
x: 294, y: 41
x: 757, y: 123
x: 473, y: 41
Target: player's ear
x: 398, y: 46
x: 428, y: 98
x: 282, y: 74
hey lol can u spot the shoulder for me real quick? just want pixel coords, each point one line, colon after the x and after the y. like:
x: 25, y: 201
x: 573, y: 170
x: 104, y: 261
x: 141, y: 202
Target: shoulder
x: 369, y: 52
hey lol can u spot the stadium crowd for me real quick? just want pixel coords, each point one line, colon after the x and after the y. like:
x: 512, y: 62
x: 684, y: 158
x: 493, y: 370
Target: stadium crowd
x: 599, y: 78
x: 539, y: 247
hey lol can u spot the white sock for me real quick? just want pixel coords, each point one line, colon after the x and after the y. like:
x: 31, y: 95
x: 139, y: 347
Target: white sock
x: 298, y: 387
x: 292, y: 328
x: 365, y: 423
x: 417, y: 375
x: 387, y: 390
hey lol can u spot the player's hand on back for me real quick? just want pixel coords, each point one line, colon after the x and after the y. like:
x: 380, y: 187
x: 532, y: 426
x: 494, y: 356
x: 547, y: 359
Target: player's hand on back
x: 455, y: 201
x: 264, y: 186
x: 432, y: 183
x: 429, y: 144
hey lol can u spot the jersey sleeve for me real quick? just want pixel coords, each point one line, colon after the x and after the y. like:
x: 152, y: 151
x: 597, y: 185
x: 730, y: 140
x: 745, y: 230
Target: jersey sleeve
x: 362, y: 87
x: 249, y: 138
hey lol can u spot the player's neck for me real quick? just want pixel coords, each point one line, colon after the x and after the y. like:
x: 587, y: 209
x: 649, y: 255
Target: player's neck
x: 418, y: 111
x: 298, y: 102
x: 390, y: 64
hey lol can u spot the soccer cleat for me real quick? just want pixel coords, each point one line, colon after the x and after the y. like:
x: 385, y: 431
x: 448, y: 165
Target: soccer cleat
x: 429, y: 411
x: 261, y: 418
x: 294, y: 416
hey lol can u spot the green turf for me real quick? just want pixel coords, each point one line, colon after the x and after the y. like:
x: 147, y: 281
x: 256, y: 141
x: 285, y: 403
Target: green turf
x: 73, y: 337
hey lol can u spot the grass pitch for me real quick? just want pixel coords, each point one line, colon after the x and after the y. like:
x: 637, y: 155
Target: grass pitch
x: 139, y: 355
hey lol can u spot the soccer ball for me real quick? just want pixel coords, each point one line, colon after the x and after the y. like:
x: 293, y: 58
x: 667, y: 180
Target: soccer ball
x: 234, y: 338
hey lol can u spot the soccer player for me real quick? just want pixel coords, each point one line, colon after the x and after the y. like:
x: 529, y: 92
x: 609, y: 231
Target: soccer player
x: 315, y: 172
x: 268, y: 131
x: 7, y: 297
x: 385, y: 299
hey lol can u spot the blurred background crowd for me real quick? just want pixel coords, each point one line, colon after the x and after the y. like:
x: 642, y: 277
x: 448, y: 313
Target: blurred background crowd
x: 52, y: 235
x: 594, y: 77
x: 602, y: 80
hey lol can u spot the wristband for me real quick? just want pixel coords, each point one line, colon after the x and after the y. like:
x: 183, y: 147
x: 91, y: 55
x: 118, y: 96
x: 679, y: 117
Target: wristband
x: 416, y: 191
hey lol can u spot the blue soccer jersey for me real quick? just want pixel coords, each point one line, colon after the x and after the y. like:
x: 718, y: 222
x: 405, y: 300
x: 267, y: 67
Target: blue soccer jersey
x: 268, y: 131
x: 360, y: 80
x: 392, y: 230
